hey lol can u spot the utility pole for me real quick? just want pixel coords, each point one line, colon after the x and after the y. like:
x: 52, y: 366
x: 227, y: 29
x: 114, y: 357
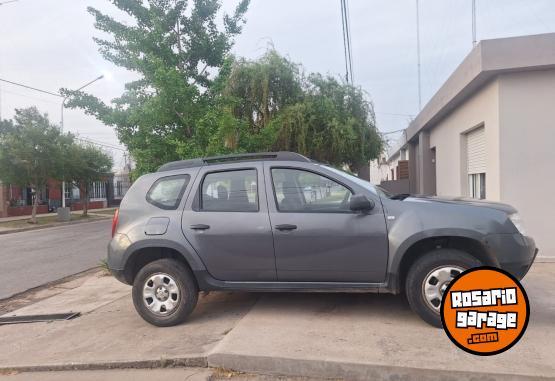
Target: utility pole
x: 474, y: 23
x: 65, y: 213
x: 418, y: 55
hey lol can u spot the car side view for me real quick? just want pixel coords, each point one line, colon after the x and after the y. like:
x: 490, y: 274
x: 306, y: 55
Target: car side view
x: 282, y: 222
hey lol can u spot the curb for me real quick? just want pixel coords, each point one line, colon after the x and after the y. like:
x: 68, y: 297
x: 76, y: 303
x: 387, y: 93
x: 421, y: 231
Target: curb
x: 281, y: 366
x: 54, y: 225
x: 350, y: 371
x: 181, y: 362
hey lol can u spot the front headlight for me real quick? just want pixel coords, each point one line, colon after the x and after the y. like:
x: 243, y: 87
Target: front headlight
x: 517, y: 222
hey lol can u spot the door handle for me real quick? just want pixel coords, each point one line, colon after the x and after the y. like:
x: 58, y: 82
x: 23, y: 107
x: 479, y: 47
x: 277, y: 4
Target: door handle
x: 286, y: 227
x: 200, y: 227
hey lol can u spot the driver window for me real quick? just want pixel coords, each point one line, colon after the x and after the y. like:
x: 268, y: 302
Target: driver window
x: 302, y: 191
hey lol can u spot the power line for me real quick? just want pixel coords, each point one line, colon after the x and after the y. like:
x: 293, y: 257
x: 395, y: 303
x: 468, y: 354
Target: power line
x: 348, y: 23
x: 31, y: 88
x: 392, y: 132
x: 103, y: 144
x: 394, y: 114
x: 346, y: 29
x: 473, y: 22
x: 418, y: 55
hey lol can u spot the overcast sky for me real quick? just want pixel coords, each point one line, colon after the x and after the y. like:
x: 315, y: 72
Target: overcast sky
x: 48, y: 44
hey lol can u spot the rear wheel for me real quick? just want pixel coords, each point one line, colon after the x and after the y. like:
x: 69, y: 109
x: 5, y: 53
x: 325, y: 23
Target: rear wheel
x: 429, y: 277
x: 165, y: 292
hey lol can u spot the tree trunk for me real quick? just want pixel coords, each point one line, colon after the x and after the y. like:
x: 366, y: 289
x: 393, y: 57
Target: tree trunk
x: 363, y: 171
x: 86, y: 201
x: 35, y: 205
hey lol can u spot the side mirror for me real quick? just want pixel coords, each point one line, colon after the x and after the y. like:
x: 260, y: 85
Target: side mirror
x: 360, y: 202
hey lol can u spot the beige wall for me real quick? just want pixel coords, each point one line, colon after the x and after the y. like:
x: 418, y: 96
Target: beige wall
x: 380, y: 170
x: 449, y: 140
x: 527, y: 137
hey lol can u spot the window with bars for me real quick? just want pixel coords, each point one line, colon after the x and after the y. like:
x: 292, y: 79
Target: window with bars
x: 97, y: 190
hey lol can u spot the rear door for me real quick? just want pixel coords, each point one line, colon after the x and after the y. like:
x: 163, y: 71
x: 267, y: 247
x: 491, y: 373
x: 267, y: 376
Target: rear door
x: 316, y: 236
x: 227, y: 223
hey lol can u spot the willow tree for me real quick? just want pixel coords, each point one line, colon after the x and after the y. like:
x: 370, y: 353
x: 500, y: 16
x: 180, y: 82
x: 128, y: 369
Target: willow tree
x: 177, y: 48
x: 277, y: 107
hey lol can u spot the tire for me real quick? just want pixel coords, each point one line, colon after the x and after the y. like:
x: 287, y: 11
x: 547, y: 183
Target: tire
x: 170, y: 288
x: 425, y: 274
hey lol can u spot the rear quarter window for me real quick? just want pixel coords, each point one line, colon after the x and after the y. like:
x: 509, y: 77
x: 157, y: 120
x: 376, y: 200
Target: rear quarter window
x: 166, y: 192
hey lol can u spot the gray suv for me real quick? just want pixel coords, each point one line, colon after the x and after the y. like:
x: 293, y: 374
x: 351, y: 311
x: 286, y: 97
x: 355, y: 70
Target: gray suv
x: 282, y: 222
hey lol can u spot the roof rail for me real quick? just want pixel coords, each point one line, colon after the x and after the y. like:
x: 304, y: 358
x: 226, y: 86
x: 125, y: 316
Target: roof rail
x: 181, y: 164
x: 282, y: 155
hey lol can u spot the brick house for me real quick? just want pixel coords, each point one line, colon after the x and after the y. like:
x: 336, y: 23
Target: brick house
x: 18, y: 201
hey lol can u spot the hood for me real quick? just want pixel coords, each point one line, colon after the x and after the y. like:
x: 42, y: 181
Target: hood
x: 463, y: 201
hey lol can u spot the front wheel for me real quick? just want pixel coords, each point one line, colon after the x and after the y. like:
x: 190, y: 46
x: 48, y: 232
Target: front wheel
x: 165, y: 292
x: 429, y: 277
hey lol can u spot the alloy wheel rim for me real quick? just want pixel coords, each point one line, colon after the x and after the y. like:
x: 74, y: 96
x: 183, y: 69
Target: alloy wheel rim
x: 435, y: 284
x: 161, y: 294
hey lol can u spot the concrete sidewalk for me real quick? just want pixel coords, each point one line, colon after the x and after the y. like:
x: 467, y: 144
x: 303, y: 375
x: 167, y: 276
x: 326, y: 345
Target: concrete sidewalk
x: 18, y: 218
x: 110, y: 334
x: 358, y: 336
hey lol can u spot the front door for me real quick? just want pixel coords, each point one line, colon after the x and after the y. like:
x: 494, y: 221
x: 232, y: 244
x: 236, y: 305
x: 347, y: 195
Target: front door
x: 227, y: 223
x: 316, y: 236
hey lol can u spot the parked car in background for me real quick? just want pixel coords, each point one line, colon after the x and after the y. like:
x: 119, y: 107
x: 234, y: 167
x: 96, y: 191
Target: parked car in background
x: 282, y: 222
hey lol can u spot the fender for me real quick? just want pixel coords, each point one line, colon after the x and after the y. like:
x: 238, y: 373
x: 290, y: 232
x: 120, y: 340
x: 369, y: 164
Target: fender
x: 187, y: 252
x: 398, y: 247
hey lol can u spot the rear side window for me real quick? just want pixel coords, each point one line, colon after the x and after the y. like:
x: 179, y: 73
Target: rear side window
x: 230, y: 191
x: 166, y: 192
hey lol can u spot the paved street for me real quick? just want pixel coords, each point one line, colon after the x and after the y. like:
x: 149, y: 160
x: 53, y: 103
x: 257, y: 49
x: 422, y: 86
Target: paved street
x: 30, y: 259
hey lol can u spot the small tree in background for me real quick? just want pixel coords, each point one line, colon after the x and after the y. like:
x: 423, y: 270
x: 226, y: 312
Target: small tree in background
x: 87, y: 164
x: 30, y: 151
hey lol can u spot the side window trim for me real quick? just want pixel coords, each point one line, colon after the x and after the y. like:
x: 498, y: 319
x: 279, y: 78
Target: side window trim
x: 187, y: 180
x: 276, y: 203
x: 197, y: 201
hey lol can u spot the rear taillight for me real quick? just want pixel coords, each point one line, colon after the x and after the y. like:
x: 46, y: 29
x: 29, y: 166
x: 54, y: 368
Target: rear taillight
x: 115, y: 222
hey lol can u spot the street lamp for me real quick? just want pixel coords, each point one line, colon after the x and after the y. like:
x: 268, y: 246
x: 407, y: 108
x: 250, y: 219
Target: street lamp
x: 62, y: 130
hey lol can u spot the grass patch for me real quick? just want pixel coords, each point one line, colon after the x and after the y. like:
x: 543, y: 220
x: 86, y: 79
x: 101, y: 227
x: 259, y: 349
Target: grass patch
x: 41, y: 221
x: 107, y: 212
x: 103, y: 264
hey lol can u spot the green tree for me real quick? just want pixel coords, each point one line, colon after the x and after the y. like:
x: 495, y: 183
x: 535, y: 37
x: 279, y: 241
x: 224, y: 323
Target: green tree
x: 177, y: 49
x: 87, y: 164
x: 30, y: 151
x: 276, y: 106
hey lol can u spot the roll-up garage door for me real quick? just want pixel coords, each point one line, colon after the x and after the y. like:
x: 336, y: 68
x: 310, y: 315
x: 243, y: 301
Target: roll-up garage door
x: 476, y: 151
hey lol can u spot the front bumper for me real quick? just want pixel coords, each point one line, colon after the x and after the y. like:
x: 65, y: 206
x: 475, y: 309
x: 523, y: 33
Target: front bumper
x: 514, y: 252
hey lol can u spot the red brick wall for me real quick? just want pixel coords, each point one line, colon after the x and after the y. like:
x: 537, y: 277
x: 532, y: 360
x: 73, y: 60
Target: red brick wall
x: 4, y: 202
x: 25, y: 210
x: 16, y: 192
x: 92, y: 205
x: 54, y: 190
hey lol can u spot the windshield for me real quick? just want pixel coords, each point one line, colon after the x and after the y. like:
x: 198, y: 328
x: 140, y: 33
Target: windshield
x: 363, y: 183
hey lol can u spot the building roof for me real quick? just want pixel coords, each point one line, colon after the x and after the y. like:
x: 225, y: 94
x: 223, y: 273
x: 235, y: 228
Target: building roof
x: 485, y: 61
